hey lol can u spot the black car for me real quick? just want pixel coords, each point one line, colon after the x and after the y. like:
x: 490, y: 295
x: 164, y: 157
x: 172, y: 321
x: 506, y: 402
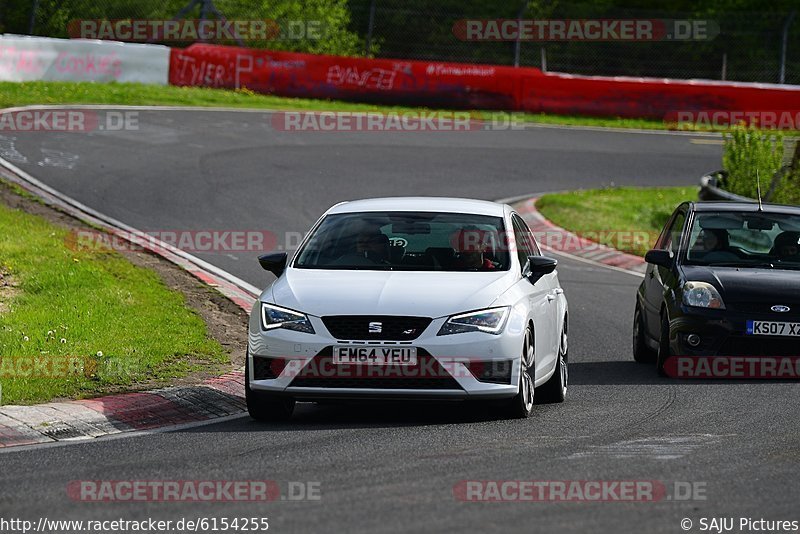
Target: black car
x: 722, y: 280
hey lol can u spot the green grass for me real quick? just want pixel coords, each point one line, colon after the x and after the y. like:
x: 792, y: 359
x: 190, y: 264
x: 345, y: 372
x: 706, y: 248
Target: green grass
x: 106, y: 324
x: 626, y: 218
x: 131, y: 94
x: 28, y: 93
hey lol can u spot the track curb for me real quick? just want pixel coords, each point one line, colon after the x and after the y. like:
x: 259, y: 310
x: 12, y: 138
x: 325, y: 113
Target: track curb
x: 554, y: 239
x: 215, y: 398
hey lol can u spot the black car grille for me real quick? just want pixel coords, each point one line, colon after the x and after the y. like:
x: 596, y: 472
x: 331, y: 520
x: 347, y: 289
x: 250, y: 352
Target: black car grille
x: 765, y: 308
x: 321, y: 372
x: 760, y: 346
x: 392, y: 328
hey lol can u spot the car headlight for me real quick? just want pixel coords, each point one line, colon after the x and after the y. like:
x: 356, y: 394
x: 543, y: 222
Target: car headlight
x: 276, y: 317
x: 490, y: 321
x: 702, y: 295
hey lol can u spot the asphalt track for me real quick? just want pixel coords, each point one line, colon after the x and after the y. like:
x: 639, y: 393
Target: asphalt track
x: 393, y: 468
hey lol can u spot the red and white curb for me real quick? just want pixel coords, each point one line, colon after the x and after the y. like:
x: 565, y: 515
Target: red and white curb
x: 114, y: 414
x: 577, y: 247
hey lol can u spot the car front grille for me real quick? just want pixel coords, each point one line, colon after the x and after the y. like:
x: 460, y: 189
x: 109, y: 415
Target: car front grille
x: 760, y: 346
x: 765, y: 309
x: 321, y: 372
x: 375, y: 327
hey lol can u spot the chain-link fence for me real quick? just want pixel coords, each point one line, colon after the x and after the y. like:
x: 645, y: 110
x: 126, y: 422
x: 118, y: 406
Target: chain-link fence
x: 749, y: 46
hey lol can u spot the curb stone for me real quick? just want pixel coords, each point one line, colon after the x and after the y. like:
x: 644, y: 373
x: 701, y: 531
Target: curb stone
x: 571, y: 244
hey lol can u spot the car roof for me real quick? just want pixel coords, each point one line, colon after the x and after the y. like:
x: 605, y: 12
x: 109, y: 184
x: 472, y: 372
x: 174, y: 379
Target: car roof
x: 744, y: 207
x: 435, y: 204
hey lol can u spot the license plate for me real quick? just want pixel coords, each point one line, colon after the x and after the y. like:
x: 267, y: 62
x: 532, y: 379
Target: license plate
x: 773, y: 328
x: 375, y: 355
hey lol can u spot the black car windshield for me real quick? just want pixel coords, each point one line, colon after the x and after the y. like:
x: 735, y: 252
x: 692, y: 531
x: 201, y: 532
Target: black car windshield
x: 745, y: 239
x: 410, y: 241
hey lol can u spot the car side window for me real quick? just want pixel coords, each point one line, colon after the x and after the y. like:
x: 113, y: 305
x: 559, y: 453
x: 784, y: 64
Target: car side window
x: 531, y: 239
x: 523, y: 240
x: 672, y: 239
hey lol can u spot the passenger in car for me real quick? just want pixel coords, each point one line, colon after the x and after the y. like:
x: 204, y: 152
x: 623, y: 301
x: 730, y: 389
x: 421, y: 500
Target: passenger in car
x: 374, y: 246
x: 787, y: 246
x: 470, y: 252
x: 715, y: 240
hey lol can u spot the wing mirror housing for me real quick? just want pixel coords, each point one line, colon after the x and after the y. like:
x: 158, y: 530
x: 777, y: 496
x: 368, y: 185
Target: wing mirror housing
x: 538, y: 266
x: 662, y: 258
x: 274, y: 263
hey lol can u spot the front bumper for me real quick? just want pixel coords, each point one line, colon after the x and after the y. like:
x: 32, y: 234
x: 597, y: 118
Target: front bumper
x: 444, y: 365
x: 724, y: 333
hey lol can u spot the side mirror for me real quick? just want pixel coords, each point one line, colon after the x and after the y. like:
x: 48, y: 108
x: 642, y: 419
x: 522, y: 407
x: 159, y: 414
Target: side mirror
x: 274, y: 263
x: 662, y: 258
x: 539, y: 266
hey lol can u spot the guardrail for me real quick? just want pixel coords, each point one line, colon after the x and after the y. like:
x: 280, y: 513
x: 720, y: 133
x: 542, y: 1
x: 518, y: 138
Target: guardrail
x: 709, y: 189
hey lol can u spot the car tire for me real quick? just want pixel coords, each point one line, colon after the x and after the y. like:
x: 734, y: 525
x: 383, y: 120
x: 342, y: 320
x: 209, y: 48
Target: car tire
x: 641, y: 352
x: 664, y: 351
x: 264, y: 406
x: 521, y: 405
x: 555, y: 389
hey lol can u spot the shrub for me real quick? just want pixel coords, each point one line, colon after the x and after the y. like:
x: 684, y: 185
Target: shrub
x: 748, y: 154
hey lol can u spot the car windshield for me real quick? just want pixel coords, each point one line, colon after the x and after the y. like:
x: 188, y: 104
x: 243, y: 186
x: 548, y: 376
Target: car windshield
x: 409, y: 241
x: 738, y: 239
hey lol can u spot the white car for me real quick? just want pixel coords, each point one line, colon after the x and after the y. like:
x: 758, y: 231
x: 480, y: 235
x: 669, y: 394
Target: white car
x: 410, y: 298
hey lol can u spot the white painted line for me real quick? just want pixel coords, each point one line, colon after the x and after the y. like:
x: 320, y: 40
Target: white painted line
x: 707, y: 141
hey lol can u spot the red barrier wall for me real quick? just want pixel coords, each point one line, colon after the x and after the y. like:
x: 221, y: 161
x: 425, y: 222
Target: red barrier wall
x: 450, y: 85
x: 465, y: 86
x: 651, y: 97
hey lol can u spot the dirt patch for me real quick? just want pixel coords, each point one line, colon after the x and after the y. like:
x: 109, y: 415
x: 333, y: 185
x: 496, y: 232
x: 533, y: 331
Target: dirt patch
x: 7, y: 290
x: 225, y: 321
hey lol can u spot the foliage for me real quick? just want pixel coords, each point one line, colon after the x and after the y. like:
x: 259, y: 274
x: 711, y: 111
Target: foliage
x: 333, y: 16
x: 750, y: 155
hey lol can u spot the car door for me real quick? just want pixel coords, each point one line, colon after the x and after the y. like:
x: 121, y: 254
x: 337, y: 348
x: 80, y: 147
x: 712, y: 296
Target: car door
x: 552, y: 279
x: 542, y: 301
x: 657, y: 279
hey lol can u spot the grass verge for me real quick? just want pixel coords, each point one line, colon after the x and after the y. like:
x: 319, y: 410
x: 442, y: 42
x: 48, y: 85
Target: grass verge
x: 30, y: 93
x: 626, y: 218
x: 77, y: 323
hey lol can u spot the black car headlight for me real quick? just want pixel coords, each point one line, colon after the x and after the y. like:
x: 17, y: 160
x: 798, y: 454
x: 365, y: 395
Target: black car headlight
x: 702, y: 295
x: 273, y: 317
x: 490, y: 321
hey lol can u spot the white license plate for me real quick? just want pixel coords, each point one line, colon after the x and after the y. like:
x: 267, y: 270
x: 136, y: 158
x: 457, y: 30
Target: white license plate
x: 773, y: 328
x: 367, y: 355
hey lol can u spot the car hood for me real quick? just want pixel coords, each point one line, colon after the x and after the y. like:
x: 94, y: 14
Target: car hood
x: 429, y: 294
x: 749, y: 286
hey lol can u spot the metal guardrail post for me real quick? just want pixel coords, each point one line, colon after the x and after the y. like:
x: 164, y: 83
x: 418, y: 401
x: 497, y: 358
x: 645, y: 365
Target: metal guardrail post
x: 724, y: 66
x: 784, y: 40
x: 32, y: 20
x: 370, y: 28
x: 518, y: 42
